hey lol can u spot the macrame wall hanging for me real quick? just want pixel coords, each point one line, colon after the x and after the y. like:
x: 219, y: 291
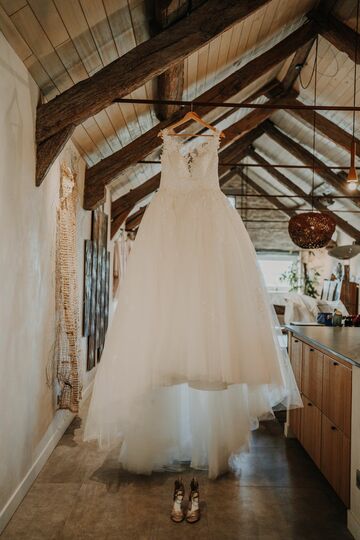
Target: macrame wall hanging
x: 67, y: 350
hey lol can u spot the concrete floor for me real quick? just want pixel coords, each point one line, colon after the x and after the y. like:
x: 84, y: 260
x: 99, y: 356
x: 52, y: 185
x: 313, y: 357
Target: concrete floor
x: 277, y: 494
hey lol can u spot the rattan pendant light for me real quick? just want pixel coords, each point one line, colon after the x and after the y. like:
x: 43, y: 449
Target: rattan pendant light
x: 312, y: 230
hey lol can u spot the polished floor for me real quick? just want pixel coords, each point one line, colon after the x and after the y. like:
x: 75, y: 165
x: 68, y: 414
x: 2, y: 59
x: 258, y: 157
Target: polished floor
x: 276, y: 494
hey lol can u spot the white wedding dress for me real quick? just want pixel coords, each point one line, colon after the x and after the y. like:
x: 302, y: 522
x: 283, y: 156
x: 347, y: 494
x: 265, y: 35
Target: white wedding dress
x: 192, y: 358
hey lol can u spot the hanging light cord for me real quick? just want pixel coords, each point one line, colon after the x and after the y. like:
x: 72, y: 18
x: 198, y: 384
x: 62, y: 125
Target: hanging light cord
x: 314, y: 122
x: 356, y: 57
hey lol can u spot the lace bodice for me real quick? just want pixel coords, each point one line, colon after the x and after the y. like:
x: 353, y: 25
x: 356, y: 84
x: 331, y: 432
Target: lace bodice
x: 189, y: 170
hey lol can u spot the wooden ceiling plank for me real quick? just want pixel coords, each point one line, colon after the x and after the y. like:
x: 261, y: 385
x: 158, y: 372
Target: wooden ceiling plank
x: 280, y: 177
x: 139, y: 65
x: 50, y: 20
x: 102, y: 174
x: 41, y: 77
x: 336, y: 32
x: 95, y: 15
x: 11, y: 6
x: 13, y: 36
x: 71, y: 61
x: 37, y: 40
x: 302, y: 154
x: 73, y: 17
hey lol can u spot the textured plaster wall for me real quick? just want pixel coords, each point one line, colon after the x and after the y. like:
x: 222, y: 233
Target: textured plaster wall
x: 27, y: 280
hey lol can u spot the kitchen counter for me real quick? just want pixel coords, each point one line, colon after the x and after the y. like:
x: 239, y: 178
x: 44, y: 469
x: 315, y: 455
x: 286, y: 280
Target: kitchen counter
x: 342, y: 342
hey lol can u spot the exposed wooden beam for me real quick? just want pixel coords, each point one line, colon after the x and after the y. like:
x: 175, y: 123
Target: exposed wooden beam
x: 122, y: 206
x: 250, y: 121
x: 353, y: 232
x: 306, y: 157
x: 134, y: 220
x: 297, y: 63
x: 48, y: 150
x: 170, y: 84
x: 141, y: 64
x: 328, y: 128
x: 101, y: 174
x: 276, y: 202
x: 336, y: 32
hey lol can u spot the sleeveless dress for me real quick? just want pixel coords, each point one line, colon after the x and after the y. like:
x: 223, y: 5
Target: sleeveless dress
x: 193, y: 357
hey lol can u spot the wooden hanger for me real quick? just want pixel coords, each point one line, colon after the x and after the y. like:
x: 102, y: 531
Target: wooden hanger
x: 191, y: 116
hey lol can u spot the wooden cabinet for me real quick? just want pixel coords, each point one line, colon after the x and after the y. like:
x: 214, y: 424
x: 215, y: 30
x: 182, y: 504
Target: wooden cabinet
x: 350, y: 296
x: 311, y: 430
x: 296, y: 358
x: 335, y: 458
x: 336, y: 402
x: 312, y: 372
x: 295, y: 421
x: 323, y: 426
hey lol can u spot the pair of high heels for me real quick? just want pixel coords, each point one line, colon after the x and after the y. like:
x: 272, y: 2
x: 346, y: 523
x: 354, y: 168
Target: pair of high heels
x: 192, y: 514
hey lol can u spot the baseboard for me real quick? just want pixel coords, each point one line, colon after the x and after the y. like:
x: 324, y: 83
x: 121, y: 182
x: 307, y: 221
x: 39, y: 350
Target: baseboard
x: 353, y: 525
x: 55, y: 431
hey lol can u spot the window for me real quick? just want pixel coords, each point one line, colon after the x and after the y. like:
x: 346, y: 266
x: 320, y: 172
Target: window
x: 232, y: 200
x: 273, y: 265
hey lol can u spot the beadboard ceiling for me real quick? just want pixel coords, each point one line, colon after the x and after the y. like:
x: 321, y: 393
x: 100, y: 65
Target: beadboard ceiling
x: 62, y: 42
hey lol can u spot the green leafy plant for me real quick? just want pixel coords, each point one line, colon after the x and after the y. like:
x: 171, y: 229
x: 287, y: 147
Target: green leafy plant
x: 291, y: 276
x: 307, y: 284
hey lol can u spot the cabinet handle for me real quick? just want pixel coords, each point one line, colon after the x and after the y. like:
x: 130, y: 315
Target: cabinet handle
x: 309, y: 404
x: 311, y: 350
x: 333, y: 428
x: 335, y: 363
x: 296, y: 341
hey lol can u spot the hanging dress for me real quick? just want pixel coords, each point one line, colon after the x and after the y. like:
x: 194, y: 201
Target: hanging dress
x: 193, y: 356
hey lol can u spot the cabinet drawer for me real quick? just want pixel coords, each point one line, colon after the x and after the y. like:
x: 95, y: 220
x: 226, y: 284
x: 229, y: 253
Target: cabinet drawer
x: 335, y: 458
x: 296, y: 358
x: 311, y: 430
x: 295, y: 421
x: 336, y: 403
x: 312, y: 373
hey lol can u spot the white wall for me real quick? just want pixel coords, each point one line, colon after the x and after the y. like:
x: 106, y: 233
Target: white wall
x: 29, y: 422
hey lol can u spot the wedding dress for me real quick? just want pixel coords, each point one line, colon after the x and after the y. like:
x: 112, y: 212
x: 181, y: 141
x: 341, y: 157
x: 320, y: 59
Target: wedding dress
x: 192, y: 358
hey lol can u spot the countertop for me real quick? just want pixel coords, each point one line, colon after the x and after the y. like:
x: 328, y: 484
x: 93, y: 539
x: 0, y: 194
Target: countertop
x: 343, y: 342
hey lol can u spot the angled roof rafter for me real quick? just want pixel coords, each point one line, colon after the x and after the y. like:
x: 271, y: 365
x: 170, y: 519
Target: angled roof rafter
x: 285, y: 181
x: 306, y: 157
x: 336, y: 32
x: 104, y: 172
x: 141, y: 64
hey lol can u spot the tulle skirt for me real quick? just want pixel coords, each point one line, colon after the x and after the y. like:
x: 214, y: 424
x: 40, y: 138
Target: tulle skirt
x: 193, y: 357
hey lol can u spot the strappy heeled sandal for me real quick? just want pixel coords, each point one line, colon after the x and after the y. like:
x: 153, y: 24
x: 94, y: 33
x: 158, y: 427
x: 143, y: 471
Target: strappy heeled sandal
x: 177, y: 514
x: 193, y: 513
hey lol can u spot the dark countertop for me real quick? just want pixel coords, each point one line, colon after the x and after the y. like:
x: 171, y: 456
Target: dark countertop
x: 342, y: 342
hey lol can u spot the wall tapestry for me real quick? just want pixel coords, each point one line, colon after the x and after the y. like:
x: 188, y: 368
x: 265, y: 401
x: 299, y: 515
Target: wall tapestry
x: 67, y: 350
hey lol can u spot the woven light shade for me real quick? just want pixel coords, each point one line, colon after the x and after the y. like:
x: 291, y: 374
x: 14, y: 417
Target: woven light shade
x: 311, y: 230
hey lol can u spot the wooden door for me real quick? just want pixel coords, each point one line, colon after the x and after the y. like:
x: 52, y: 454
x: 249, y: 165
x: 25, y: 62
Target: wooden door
x: 336, y: 402
x: 312, y: 373
x: 335, y: 458
x: 296, y: 358
x: 311, y: 430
